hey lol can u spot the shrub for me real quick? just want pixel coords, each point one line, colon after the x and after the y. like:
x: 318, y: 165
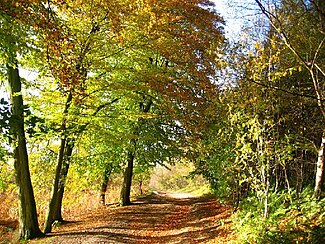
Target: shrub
x: 299, y: 221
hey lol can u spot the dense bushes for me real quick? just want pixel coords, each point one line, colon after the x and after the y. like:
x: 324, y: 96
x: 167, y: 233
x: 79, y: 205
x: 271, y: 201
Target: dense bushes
x: 293, y: 218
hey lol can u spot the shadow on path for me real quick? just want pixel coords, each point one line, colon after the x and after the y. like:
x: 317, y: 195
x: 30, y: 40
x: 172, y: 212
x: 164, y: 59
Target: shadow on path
x: 157, y: 218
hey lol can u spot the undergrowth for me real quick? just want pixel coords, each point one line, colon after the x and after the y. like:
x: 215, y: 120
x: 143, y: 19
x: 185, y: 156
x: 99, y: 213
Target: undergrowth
x: 293, y: 219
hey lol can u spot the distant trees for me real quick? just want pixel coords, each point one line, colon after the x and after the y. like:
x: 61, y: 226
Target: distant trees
x: 268, y: 134
x: 306, y: 17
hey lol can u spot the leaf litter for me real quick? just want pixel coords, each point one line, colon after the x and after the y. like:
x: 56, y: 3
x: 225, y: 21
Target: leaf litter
x: 157, y: 218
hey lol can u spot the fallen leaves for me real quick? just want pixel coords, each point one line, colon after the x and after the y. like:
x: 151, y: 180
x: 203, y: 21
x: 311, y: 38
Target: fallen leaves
x: 158, y: 218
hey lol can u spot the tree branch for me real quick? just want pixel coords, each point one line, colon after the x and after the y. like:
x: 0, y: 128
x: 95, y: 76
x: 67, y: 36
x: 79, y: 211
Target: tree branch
x: 286, y: 91
x: 100, y: 107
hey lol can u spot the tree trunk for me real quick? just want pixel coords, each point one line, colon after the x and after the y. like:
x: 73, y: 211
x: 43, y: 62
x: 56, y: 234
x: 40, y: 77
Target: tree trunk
x: 28, y: 222
x: 140, y: 187
x: 277, y: 178
x: 66, y: 148
x: 54, y: 204
x: 104, y: 184
x: 64, y: 173
x: 127, y: 182
x: 320, y: 169
x: 266, y: 194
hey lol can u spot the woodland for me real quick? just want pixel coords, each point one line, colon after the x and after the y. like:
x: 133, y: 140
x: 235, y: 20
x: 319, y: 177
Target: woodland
x: 125, y: 93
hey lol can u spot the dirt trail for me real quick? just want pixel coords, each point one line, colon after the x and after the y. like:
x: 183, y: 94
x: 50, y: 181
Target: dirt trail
x: 158, y: 218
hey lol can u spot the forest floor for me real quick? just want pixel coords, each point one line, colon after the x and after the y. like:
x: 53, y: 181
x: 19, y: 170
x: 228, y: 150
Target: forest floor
x: 157, y: 218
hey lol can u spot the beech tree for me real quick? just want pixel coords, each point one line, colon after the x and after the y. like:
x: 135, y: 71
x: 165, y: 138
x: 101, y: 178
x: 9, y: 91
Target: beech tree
x: 15, y: 42
x: 175, y: 57
x: 71, y: 53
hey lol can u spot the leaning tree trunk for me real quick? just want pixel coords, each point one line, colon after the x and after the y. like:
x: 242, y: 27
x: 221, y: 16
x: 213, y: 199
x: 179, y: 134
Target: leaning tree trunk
x: 69, y: 145
x: 54, y: 203
x: 127, y: 182
x: 64, y: 173
x: 320, y: 8
x: 319, y: 180
x: 66, y: 148
x: 103, y: 188
x: 28, y: 222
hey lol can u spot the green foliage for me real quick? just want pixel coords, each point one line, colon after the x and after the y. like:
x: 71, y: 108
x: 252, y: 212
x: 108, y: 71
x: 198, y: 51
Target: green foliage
x: 268, y: 122
x: 42, y: 161
x: 170, y: 179
x: 178, y: 177
x: 141, y: 179
x: 6, y: 176
x: 5, y: 115
x: 34, y: 125
x: 300, y: 221
x: 254, y: 141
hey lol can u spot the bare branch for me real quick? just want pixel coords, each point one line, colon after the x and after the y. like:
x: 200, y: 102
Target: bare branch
x: 287, y: 91
x: 271, y: 17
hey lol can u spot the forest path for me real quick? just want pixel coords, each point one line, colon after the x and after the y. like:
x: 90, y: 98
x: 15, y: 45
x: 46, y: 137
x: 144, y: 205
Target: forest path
x: 157, y: 218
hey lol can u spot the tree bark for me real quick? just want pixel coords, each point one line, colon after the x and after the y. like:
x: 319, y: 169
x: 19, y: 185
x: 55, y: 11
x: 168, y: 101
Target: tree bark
x: 266, y: 194
x: 104, y: 184
x: 63, y: 178
x: 127, y: 182
x: 54, y: 204
x: 64, y: 156
x: 140, y: 186
x: 28, y: 222
x: 319, y: 179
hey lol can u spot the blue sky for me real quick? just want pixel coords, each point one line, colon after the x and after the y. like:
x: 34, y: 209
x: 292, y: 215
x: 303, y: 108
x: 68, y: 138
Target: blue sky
x: 236, y: 14
x: 233, y: 25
